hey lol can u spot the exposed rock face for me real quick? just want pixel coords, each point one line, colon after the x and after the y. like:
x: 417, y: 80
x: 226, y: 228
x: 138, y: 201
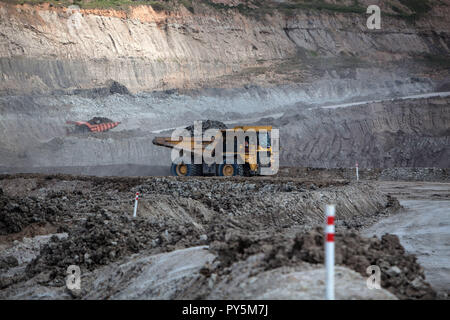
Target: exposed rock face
x: 47, y: 48
x: 59, y: 64
x: 340, y: 34
x: 377, y: 135
x: 44, y: 48
x: 412, y: 133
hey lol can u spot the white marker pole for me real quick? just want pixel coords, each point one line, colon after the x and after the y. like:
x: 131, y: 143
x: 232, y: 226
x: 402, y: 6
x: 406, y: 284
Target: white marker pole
x: 357, y: 172
x: 329, y: 251
x: 135, y: 204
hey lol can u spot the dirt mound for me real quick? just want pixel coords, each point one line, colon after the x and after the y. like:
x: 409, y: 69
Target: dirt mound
x: 400, y: 272
x: 388, y: 174
x: 103, y: 238
x: 16, y: 213
x: 116, y: 87
x: 415, y: 174
x: 109, y: 88
x: 208, y: 124
x: 99, y: 120
x: 8, y: 262
x: 237, y: 217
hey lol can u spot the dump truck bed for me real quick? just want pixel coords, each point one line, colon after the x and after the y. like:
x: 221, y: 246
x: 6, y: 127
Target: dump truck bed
x: 168, y: 142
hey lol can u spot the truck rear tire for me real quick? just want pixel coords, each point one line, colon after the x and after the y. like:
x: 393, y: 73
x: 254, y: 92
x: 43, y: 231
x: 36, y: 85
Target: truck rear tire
x: 230, y: 169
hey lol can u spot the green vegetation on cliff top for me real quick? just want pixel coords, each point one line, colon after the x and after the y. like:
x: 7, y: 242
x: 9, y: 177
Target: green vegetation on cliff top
x: 98, y: 4
x: 416, y: 8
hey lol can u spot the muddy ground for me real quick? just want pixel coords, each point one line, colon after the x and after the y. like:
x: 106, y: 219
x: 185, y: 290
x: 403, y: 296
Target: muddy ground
x: 49, y: 222
x: 422, y: 225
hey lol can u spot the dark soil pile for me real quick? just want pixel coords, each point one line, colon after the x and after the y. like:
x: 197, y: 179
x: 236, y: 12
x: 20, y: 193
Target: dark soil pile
x: 237, y: 217
x: 99, y: 120
x: 208, y: 124
x: 400, y: 272
x: 8, y: 262
x: 116, y: 87
x: 109, y: 88
x: 103, y: 238
x: 18, y: 213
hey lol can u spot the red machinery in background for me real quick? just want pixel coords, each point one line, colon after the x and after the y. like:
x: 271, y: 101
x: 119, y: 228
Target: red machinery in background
x: 96, y: 124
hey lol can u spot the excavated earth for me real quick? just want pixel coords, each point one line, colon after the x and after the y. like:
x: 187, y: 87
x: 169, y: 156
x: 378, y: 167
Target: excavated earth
x: 154, y: 70
x: 209, y: 237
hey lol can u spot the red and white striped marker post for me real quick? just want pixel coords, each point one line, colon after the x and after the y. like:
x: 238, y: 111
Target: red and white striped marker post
x: 357, y: 172
x: 135, y: 204
x: 329, y: 251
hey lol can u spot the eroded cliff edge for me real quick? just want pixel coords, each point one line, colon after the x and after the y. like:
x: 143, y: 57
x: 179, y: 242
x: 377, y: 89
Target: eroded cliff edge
x: 45, y: 47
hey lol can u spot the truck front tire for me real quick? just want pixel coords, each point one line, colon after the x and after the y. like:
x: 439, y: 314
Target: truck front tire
x: 186, y: 170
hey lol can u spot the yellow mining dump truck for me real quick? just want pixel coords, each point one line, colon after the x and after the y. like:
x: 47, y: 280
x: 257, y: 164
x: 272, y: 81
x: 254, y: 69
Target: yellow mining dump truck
x: 253, y: 153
